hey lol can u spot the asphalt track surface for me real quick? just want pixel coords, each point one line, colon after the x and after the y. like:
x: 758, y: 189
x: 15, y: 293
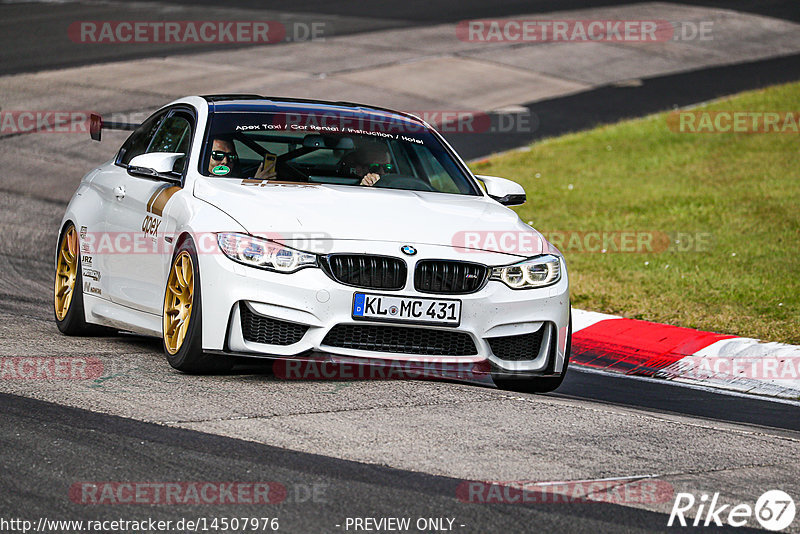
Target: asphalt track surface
x: 46, y: 446
x: 35, y: 38
x: 424, y: 11
x: 611, y: 103
x: 71, y: 443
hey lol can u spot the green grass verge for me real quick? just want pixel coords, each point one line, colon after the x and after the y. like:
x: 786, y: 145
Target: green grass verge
x: 739, y: 192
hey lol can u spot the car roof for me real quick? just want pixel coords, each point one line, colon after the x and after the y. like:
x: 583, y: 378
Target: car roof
x: 258, y: 103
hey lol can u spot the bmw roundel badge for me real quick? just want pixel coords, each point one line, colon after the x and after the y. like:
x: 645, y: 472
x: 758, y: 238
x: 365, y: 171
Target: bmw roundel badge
x: 408, y: 250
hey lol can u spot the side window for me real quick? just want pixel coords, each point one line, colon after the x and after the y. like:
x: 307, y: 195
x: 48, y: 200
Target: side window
x: 140, y: 139
x: 437, y: 175
x: 174, y: 135
x: 400, y: 159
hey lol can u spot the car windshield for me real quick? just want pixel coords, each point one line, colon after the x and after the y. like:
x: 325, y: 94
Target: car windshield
x: 387, y: 152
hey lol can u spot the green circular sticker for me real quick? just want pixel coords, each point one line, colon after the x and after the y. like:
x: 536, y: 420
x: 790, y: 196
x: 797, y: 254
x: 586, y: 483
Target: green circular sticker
x: 221, y: 170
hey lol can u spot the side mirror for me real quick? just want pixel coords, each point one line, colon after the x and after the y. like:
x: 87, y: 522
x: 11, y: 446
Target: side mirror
x: 504, y: 191
x: 156, y: 165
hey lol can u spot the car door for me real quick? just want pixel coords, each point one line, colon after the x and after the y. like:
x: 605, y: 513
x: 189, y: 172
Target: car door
x: 138, y: 218
x: 105, y: 230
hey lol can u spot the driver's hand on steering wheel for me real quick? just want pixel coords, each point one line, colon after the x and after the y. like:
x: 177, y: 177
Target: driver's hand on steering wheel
x: 261, y: 174
x: 370, y: 179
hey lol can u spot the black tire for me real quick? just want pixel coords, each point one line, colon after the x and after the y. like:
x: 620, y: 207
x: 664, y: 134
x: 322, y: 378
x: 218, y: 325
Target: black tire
x: 528, y: 384
x: 190, y: 357
x: 74, y: 321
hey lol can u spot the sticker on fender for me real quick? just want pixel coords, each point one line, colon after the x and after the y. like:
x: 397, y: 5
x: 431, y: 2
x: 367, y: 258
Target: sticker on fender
x: 406, y: 309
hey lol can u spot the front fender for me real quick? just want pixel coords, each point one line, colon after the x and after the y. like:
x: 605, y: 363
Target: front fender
x: 201, y: 221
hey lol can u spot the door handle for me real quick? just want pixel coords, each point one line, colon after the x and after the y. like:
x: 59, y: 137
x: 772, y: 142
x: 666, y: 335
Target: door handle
x: 119, y: 192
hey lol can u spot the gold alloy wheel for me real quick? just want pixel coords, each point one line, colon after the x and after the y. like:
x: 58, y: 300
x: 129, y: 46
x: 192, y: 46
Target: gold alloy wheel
x: 66, y: 272
x: 178, y: 302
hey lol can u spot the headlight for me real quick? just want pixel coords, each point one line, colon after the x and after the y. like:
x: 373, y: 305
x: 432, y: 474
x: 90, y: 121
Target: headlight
x: 264, y: 254
x: 535, y: 272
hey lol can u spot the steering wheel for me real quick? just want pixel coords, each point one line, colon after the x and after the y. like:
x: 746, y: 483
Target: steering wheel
x: 401, y: 181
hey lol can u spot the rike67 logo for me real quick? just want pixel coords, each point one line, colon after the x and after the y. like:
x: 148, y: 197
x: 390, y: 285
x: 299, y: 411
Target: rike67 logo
x: 774, y: 510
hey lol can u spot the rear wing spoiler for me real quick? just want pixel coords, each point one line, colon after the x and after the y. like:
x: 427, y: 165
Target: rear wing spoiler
x: 96, y: 125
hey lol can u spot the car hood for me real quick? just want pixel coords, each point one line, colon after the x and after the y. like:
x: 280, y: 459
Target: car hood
x: 295, y: 213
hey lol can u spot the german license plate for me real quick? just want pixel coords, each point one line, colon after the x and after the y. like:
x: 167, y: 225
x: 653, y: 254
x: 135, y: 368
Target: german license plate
x: 406, y: 309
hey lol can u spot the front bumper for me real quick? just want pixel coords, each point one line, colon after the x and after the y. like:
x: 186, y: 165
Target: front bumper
x: 490, y: 316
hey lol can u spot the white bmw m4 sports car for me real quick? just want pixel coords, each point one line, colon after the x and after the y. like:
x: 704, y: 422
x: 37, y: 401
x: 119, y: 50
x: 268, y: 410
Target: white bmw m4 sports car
x: 246, y: 226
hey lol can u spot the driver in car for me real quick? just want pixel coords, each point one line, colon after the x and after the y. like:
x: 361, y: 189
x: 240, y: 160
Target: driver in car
x: 369, y: 162
x: 223, y: 153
